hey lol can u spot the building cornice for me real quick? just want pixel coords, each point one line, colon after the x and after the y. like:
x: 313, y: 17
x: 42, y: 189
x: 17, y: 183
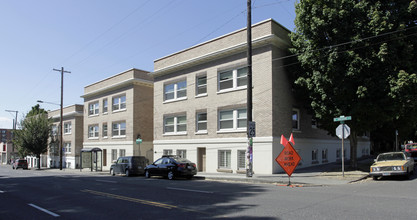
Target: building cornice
x: 118, y: 85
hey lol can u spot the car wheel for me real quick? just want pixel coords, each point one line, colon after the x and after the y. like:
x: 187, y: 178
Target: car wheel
x: 127, y: 172
x: 189, y: 177
x: 375, y: 178
x: 171, y: 175
x: 112, y: 172
x: 147, y: 174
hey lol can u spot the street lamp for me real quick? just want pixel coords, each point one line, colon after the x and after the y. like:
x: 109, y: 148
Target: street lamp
x: 60, y: 130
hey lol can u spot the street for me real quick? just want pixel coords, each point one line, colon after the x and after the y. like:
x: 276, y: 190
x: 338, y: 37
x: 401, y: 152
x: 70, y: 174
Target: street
x: 41, y: 194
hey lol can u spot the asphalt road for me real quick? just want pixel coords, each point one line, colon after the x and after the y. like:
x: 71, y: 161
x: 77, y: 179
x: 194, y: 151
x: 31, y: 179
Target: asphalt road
x: 31, y: 194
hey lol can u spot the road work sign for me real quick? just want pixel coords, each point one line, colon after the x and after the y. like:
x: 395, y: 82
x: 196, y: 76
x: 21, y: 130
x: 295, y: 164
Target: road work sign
x: 288, y: 159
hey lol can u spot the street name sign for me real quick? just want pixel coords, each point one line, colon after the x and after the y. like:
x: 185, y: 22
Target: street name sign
x: 342, y: 118
x: 288, y: 159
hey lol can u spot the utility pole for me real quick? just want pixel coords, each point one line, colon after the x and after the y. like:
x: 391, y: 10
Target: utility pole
x: 61, y: 117
x: 14, y: 127
x: 249, y: 150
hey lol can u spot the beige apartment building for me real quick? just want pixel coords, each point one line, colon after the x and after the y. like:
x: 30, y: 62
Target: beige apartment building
x: 8, y: 152
x: 118, y: 111
x: 200, y: 105
x: 72, y: 137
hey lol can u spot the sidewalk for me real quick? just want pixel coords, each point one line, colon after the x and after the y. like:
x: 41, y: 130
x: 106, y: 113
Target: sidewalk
x: 320, y: 175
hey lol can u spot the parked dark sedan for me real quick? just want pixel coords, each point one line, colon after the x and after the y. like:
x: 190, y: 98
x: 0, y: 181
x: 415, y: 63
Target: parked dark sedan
x: 130, y: 165
x: 171, y: 167
x: 20, y: 163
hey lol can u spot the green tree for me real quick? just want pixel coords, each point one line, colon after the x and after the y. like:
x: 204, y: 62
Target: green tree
x: 358, y: 58
x: 32, y: 138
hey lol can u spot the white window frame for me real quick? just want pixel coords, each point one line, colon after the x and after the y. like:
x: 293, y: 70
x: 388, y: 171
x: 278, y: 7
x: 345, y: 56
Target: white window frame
x: 324, y: 155
x: 67, y: 147
x: 182, y: 153
x: 93, y: 108
x: 175, y: 125
x: 167, y: 152
x: 93, y: 131
x: 199, y: 86
x: 295, y: 117
x: 241, y: 159
x: 122, y: 152
x: 113, y: 155
x: 105, y: 106
x: 67, y: 128
x: 121, y: 103
x: 315, y: 156
x: 235, y: 78
x: 105, y: 130
x: 119, y: 130
x: 224, y: 159
x: 235, y: 120
x: 175, y: 91
x: 199, y: 122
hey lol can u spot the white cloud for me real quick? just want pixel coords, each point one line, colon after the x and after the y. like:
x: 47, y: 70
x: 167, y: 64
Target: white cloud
x: 6, y: 123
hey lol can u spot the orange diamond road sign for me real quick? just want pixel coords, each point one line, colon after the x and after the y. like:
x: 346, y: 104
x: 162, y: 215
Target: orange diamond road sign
x: 288, y: 159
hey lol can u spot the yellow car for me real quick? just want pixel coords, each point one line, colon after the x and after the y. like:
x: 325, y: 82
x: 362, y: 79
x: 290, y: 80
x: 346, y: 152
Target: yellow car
x: 392, y: 164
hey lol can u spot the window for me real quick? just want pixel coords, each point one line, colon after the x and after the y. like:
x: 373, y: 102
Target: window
x: 67, y: 147
x: 175, y: 125
x: 122, y: 152
x: 202, y: 122
x: 105, y: 106
x: 93, y: 131
x: 324, y: 155
x: 224, y: 159
x: 338, y: 154
x: 104, y: 129
x: 201, y: 85
x: 233, y: 79
x: 167, y: 152
x: 119, y: 103
x: 119, y: 129
x: 175, y: 91
x: 93, y: 108
x: 241, y: 159
x: 296, y: 119
x: 182, y: 153
x: 314, y: 123
x: 232, y: 119
x: 54, y: 130
x: 314, y: 155
x: 113, y: 154
x: 67, y: 128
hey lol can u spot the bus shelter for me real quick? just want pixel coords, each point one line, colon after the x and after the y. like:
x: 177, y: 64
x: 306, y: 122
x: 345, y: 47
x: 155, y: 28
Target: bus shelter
x: 91, y: 158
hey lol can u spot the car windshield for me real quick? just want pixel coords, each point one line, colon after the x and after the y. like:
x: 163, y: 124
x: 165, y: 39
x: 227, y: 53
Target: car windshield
x: 392, y: 156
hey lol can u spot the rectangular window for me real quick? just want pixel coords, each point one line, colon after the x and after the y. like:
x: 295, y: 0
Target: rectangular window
x: 232, y: 119
x: 175, y: 91
x: 224, y: 159
x: 119, y: 129
x: 201, y: 85
x: 54, y: 130
x: 113, y: 155
x: 233, y: 79
x: 338, y: 153
x: 67, y: 147
x: 241, y: 159
x: 202, y: 122
x: 119, y: 103
x: 182, y: 153
x: 296, y: 119
x: 324, y: 155
x: 104, y: 129
x: 167, y: 152
x: 314, y: 155
x: 93, y: 131
x: 122, y: 152
x: 105, y: 106
x: 67, y: 128
x: 175, y: 125
x: 93, y: 108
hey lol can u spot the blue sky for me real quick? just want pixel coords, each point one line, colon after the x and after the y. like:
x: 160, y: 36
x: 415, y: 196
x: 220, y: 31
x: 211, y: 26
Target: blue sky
x: 95, y: 39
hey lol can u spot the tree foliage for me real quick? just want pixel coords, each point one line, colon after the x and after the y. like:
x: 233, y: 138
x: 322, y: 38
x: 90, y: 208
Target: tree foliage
x: 32, y: 138
x: 358, y: 58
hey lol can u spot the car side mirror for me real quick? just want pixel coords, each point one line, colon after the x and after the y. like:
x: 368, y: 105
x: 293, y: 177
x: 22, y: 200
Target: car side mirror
x: 114, y: 161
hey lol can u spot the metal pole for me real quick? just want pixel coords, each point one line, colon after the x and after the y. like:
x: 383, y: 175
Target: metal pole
x: 249, y: 169
x: 343, y: 149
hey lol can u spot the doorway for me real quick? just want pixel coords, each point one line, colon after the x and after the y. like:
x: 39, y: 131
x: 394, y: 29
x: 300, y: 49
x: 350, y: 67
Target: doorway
x: 201, y: 159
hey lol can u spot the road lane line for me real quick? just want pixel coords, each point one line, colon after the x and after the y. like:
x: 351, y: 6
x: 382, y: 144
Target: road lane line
x: 141, y: 201
x: 107, y: 181
x: 191, y: 190
x: 44, y: 210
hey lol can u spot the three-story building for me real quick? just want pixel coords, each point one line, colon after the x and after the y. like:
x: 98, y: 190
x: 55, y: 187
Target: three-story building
x: 200, y: 105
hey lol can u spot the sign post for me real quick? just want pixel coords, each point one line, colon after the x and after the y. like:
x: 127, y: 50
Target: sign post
x: 288, y: 159
x: 343, y: 131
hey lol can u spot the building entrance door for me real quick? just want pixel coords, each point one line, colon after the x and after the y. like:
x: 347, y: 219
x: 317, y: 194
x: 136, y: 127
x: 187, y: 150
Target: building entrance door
x: 201, y: 159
